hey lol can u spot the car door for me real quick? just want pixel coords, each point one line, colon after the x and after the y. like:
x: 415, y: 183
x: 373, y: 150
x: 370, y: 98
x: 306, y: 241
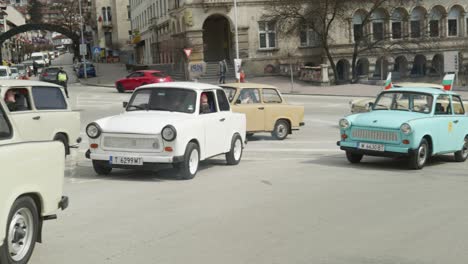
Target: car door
x: 249, y: 103
x: 138, y: 79
x: 444, y: 124
x: 459, y: 123
x: 129, y: 81
x: 274, y: 109
x: 214, y: 127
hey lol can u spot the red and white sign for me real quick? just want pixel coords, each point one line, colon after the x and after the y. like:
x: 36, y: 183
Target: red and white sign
x: 188, y: 52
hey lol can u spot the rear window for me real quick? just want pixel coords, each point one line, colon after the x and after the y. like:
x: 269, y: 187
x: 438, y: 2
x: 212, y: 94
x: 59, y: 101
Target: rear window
x: 48, y: 98
x: 159, y: 74
x: 52, y: 70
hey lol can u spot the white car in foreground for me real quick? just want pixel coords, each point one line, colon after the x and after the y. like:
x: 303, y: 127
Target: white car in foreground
x: 31, y: 186
x: 179, y: 123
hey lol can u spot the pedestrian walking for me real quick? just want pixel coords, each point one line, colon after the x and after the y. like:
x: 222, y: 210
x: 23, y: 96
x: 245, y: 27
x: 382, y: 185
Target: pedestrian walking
x: 62, y: 79
x: 223, y: 68
x: 241, y: 75
x: 35, y: 68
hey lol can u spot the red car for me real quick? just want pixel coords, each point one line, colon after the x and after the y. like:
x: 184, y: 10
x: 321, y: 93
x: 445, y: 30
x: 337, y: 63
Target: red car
x: 139, y: 78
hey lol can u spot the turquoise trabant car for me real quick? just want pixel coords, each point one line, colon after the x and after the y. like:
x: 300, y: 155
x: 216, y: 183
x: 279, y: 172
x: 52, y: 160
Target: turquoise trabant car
x: 415, y: 123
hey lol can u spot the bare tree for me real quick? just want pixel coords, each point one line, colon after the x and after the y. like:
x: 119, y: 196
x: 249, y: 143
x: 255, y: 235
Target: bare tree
x: 69, y: 14
x: 34, y: 11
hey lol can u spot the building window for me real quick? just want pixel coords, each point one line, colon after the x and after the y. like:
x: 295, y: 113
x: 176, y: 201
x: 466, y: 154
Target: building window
x: 434, y: 28
x: 377, y: 30
x: 267, y: 34
x: 358, y: 32
x: 108, y: 38
x: 452, y: 27
x: 396, y: 30
x: 415, y: 29
x: 309, y: 38
x: 129, y: 14
x: 109, y: 14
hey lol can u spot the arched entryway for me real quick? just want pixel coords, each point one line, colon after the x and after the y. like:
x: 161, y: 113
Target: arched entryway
x: 400, y: 68
x: 437, y: 65
x: 342, y: 68
x: 419, y: 66
x: 381, y: 68
x: 216, y: 38
x: 362, y: 68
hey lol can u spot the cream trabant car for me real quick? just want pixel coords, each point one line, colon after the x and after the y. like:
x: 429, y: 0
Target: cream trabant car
x: 40, y: 111
x: 265, y: 108
x: 179, y: 123
x: 31, y: 185
x: 363, y: 105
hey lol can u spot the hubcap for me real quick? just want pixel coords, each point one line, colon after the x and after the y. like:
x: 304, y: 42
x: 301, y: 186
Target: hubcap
x: 281, y: 130
x: 422, y: 154
x: 193, y: 161
x: 237, y: 149
x: 20, y: 234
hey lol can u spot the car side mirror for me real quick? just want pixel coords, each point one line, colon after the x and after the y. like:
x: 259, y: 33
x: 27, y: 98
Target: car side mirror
x: 369, y: 106
x: 238, y: 101
x: 125, y: 104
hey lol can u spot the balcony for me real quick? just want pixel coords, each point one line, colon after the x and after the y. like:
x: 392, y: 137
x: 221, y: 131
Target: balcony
x: 107, y: 24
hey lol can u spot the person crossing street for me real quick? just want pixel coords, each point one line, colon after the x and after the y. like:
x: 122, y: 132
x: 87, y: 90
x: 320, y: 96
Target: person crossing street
x: 62, y: 79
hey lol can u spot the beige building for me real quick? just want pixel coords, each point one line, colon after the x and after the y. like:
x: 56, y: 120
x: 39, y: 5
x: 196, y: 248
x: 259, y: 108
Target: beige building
x: 112, y: 29
x: 207, y: 28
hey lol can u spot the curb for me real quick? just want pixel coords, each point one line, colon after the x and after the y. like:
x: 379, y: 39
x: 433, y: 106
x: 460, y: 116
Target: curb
x: 95, y: 84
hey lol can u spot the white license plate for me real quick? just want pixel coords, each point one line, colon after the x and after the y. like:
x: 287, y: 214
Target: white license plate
x: 122, y: 160
x: 374, y: 147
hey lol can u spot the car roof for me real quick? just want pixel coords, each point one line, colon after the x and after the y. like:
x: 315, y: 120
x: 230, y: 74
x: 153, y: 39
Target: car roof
x: 183, y: 85
x: 428, y: 90
x: 248, y: 85
x: 9, y: 83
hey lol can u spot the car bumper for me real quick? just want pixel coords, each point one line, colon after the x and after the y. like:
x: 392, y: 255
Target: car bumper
x: 146, y: 159
x: 390, y: 151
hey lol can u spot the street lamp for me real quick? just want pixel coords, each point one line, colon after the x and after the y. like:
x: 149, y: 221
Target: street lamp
x: 237, y: 42
x: 82, y: 41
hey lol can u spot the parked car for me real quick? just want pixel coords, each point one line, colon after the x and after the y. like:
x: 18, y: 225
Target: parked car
x: 90, y: 70
x: 31, y: 189
x: 265, y: 108
x: 40, y: 59
x: 29, y: 65
x: 168, y: 123
x: 416, y: 123
x: 14, y: 73
x: 51, y: 55
x: 139, y: 78
x: 49, y: 74
x: 47, y: 59
x: 41, y: 112
x: 23, y: 70
x: 5, y: 73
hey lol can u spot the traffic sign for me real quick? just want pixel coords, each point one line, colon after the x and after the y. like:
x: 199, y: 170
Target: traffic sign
x: 96, y: 50
x: 188, y: 52
x: 83, y: 49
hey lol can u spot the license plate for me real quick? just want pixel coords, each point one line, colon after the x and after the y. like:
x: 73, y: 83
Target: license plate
x: 374, y: 147
x: 119, y: 160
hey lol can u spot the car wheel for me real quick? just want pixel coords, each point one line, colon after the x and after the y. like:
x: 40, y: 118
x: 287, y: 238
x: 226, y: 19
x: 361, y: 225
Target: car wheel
x: 62, y: 138
x: 234, y: 156
x: 102, y: 167
x: 353, y: 157
x: 22, y: 230
x: 188, y: 168
x: 461, y: 155
x: 419, y: 157
x: 281, y: 130
x: 120, y: 88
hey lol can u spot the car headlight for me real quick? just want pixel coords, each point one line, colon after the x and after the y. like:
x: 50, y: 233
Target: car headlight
x: 405, y: 128
x: 344, y: 123
x: 93, y: 130
x: 169, y: 133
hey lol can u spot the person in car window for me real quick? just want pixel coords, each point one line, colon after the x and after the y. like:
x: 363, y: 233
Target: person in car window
x: 247, y: 98
x: 10, y: 100
x: 204, y: 105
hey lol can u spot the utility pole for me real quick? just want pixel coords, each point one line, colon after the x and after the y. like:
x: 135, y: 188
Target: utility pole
x: 237, y: 44
x: 82, y: 41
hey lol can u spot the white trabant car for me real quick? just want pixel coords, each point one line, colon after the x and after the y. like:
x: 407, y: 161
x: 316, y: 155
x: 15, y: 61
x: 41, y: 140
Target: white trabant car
x: 179, y: 123
x: 31, y: 186
x: 40, y: 111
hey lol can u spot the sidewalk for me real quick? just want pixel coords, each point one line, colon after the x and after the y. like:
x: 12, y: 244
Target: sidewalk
x: 109, y: 73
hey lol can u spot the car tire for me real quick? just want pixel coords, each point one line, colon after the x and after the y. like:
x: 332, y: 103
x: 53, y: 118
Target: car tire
x: 419, y: 157
x: 354, y: 157
x: 120, y: 88
x: 62, y: 138
x: 188, y: 168
x: 233, y: 157
x: 281, y: 129
x: 462, y: 155
x: 22, y: 230
x: 102, y: 167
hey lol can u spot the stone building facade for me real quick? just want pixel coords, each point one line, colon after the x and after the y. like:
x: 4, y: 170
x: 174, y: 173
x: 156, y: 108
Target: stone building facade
x: 207, y: 28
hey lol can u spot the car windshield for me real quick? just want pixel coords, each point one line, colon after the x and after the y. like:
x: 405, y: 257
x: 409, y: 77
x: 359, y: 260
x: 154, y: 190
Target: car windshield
x: 3, y: 72
x: 20, y: 67
x: 163, y: 99
x: 404, y: 101
x: 37, y: 58
x: 230, y: 92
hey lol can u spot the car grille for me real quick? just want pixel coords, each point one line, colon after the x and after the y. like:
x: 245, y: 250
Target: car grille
x: 144, y: 143
x: 375, y: 135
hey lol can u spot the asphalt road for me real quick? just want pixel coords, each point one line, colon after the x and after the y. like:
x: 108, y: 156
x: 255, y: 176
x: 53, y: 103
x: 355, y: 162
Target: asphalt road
x: 291, y: 201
